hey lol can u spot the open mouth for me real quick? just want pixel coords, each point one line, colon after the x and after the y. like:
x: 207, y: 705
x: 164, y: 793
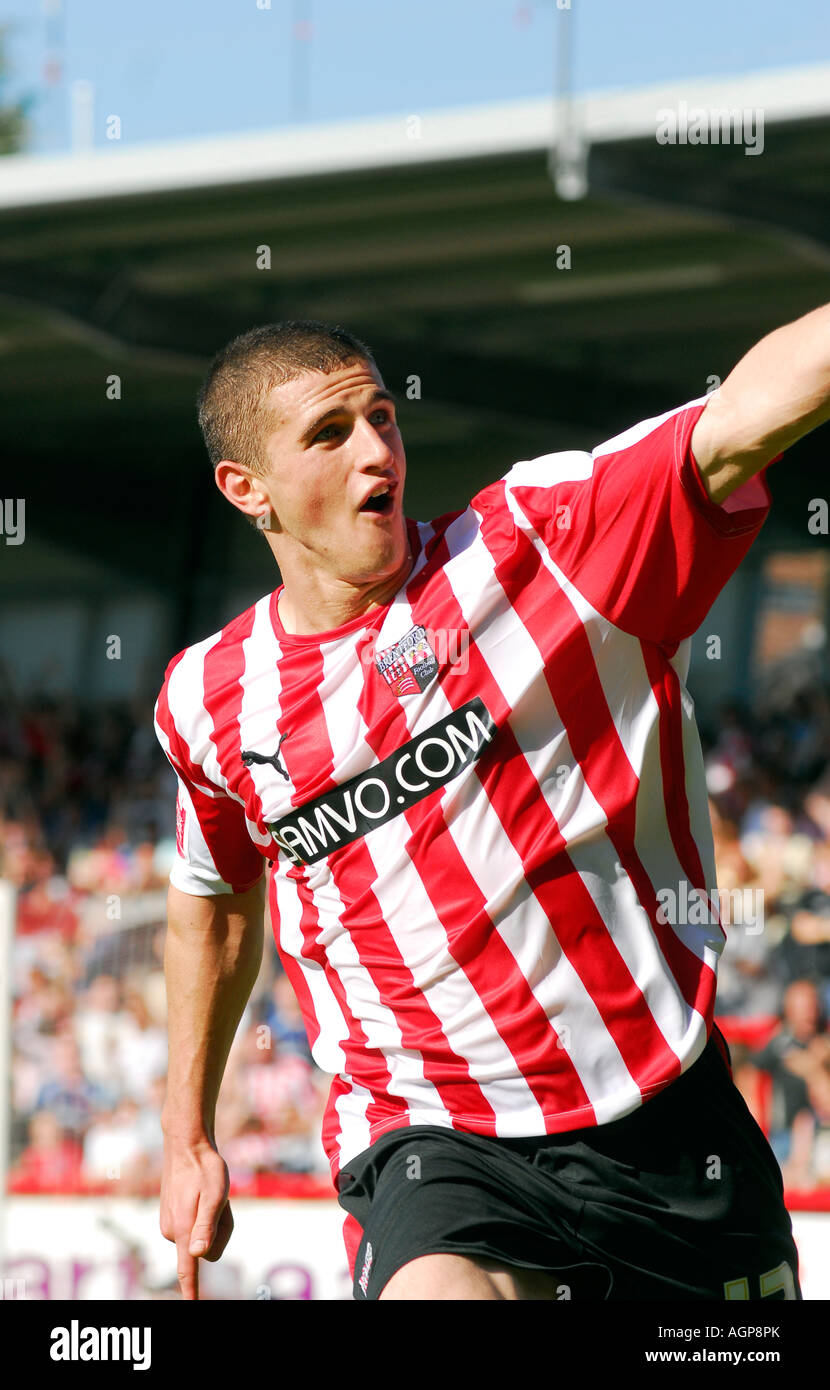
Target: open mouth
x: 380, y: 502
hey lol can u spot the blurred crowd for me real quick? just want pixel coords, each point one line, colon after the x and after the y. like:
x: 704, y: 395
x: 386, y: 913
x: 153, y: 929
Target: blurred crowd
x: 86, y: 837
x: 769, y: 786
x: 86, y: 826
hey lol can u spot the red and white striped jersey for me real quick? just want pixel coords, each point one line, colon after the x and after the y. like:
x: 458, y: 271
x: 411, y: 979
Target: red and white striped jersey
x: 473, y: 796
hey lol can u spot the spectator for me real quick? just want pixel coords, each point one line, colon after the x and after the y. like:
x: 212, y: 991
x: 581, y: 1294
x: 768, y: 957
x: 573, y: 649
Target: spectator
x: 285, y: 1019
x: 788, y: 1057
x: 805, y: 950
x: 143, y: 1047
x: 114, y: 1152
x: 51, y: 1161
x: 747, y: 983
x: 273, y: 1081
x: 102, y: 1031
x: 71, y: 1098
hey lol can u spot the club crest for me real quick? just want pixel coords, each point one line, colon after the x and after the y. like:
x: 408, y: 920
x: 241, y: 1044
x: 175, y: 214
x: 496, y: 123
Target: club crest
x: 410, y: 665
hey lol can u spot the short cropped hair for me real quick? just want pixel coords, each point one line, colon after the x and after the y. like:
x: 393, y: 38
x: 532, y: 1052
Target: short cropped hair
x: 233, y: 417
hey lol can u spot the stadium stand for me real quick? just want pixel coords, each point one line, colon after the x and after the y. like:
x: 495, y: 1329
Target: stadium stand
x: 86, y: 805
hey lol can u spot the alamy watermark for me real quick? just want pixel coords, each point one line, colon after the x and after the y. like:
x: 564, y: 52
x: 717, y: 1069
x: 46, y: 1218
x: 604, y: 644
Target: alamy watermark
x: 13, y: 520
x: 711, y: 125
x: 688, y: 906
x: 450, y: 646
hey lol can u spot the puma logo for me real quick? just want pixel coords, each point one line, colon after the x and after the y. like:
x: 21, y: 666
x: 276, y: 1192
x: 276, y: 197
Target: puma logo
x: 273, y: 758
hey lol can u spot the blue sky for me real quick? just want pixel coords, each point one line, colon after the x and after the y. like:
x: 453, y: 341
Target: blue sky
x: 179, y: 68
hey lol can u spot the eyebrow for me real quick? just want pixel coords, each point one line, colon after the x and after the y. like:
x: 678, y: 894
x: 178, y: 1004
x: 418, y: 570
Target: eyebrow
x: 381, y: 394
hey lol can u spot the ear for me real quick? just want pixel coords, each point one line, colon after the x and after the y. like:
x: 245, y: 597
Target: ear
x: 245, y: 491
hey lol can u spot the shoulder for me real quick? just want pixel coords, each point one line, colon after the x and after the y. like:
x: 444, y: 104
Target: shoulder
x: 495, y: 510
x: 181, y: 704
x: 669, y: 433
x: 225, y: 638
x: 502, y: 506
x: 567, y: 465
x: 672, y: 427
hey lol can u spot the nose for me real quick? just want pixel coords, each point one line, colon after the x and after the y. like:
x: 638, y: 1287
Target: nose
x: 373, y: 449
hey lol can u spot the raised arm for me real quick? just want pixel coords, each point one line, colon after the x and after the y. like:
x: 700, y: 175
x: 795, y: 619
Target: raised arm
x: 212, y: 957
x: 778, y: 392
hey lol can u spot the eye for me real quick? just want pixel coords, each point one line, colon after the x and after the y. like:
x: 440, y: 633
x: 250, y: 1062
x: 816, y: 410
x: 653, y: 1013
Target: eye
x: 386, y: 417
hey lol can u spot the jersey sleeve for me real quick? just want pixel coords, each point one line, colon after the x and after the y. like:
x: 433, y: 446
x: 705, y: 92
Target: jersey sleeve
x: 632, y: 527
x: 214, y: 850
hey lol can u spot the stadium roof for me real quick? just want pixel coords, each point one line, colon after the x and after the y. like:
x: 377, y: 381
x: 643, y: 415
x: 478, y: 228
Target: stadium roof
x: 440, y: 251
x: 513, y: 127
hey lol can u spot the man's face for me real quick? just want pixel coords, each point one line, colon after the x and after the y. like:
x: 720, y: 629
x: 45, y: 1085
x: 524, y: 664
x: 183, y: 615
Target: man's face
x: 336, y: 468
x: 802, y: 1009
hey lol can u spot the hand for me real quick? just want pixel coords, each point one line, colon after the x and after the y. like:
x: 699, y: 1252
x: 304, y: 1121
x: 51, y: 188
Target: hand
x: 798, y: 1061
x: 195, y: 1212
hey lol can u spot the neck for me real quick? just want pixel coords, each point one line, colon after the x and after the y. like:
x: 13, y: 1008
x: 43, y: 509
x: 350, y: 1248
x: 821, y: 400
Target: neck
x: 322, y: 602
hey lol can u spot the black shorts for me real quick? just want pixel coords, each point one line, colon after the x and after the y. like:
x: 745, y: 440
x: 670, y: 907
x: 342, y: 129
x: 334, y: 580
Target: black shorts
x: 682, y: 1199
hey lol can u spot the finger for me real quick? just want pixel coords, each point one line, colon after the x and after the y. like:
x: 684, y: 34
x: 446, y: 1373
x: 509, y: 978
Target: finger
x: 224, y: 1230
x: 204, y: 1227
x: 187, y: 1269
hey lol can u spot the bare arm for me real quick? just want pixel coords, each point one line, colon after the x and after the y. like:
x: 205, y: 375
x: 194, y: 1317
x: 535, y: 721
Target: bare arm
x: 212, y: 957
x: 778, y: 392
